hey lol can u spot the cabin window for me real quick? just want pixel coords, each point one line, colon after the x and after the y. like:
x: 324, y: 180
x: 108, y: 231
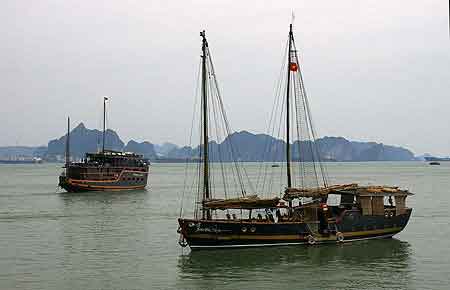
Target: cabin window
x: 334, y: 200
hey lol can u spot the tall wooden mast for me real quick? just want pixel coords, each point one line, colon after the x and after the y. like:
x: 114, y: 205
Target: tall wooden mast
x: 104, y: 121
x: 288, y: 146
x: 206, y: 193
x: 68, y: 143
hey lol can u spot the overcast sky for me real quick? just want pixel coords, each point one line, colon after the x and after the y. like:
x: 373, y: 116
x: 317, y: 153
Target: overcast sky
x: 374, y: 70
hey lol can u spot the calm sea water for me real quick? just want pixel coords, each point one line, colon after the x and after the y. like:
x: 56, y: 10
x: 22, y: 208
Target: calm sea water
x: 51, y: 240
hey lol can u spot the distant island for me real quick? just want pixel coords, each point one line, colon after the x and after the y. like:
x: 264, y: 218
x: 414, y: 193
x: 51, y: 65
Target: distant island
x: 247, y: 147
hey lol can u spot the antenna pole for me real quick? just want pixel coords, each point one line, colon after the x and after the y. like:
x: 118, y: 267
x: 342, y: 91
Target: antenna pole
x: 288, y: 146
x: 206, y: 193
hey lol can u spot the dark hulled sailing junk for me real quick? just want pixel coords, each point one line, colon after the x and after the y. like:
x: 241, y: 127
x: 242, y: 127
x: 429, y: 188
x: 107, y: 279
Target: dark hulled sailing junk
x: 309, y: 211
x: 106, y: 170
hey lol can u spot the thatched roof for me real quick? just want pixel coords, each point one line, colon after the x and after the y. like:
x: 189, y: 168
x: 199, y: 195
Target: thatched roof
x: 352, y: 188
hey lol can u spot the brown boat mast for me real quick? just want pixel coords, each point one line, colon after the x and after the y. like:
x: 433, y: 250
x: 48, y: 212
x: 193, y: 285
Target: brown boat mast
x: 288, y: 147
x: 206, y: 193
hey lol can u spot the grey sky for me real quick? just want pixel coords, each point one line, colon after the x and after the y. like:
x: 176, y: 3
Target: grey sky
x: 374, y: 70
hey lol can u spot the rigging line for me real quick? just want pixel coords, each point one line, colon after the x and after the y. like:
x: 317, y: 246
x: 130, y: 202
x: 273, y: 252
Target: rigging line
x: 269, y: 125
x: 218, y: 133
x: 200, y: 181
x: 234, y: 154
x: 218, y: 137
x: 322, y: 168
x: 272, y: 123
x: 311, y: 145
x: 196, y: 91
x: 308, y: 123
x: 278, y: 109
x: 215, y: 154
x: 280, y: 136
x: 300, y: 124
x: 225, y: 144
x: 211, y: 152
x: 197, y: 169
x: 298, y: 120
x: 304, y: 164
x: 228, y: 130
x: 317, y: 146
x: 221, y: 109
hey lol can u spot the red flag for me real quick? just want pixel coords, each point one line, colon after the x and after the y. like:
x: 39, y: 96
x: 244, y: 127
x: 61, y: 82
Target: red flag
x: 293, y: 66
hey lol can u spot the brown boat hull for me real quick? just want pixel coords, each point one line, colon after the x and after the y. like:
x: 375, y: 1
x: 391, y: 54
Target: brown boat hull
x: 127, y: 180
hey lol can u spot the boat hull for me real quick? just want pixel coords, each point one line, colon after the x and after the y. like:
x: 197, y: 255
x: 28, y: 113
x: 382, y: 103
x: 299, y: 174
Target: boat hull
x: 127, y: 180
x: 207, y: 234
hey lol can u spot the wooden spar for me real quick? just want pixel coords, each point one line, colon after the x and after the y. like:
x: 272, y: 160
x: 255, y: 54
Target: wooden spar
x: 288, y: 149
x: 206, y: 194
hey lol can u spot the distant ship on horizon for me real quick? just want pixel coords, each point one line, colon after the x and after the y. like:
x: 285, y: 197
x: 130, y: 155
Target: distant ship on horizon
x: 106, y: 170
x: 21, y: 160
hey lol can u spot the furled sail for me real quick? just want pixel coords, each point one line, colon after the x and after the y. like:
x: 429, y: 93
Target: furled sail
x: 248, y: 202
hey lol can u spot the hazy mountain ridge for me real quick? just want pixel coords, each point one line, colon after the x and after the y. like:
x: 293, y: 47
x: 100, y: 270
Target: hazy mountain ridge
x: 84, y: 140
x: 245, y: 146
x: 145, y: 148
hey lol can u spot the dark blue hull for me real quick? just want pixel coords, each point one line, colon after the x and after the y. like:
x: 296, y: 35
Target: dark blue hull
x: 203, y: 234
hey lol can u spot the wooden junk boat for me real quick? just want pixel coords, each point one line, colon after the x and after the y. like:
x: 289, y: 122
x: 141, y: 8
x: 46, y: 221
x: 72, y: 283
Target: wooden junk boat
x: 308, y: 210
x: 106, y: 170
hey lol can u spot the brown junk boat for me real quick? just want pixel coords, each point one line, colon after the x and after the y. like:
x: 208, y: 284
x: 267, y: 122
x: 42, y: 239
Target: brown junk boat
x: 106, y: 170
x: 308, y: 210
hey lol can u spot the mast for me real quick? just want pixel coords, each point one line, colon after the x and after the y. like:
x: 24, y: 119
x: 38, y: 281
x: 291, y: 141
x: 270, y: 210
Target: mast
x: 288, y: 146
x: 104, y: 121
x: 206, y: 193
x: 68, y: 143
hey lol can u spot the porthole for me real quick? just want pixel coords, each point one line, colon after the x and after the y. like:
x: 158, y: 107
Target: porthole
x: 244, y: 229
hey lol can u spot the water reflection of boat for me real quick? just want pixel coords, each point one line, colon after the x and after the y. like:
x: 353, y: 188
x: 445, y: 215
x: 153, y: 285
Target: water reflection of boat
x: 388, y: 261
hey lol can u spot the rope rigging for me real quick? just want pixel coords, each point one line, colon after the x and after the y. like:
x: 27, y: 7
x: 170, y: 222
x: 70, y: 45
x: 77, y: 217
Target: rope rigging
x: 291, y: 106
x: 214, y: 178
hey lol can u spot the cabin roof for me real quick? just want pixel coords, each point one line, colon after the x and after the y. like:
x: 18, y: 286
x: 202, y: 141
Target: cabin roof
x: 114, y: 154
x: 352, y: 189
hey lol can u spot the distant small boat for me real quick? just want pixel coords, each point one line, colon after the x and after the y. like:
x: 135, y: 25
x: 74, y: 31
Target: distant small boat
x: 275, y: 165
x: 21, y: 160
x: 434, y: 163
